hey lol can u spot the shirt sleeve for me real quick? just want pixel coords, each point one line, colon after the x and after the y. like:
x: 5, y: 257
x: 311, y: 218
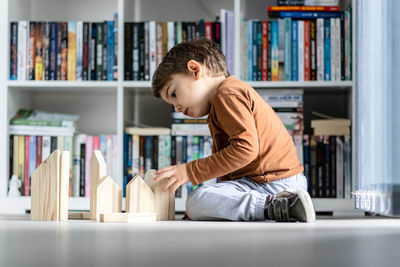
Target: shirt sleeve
x: 235, y: 118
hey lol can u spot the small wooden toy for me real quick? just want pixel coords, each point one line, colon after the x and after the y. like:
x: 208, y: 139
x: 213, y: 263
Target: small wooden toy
x: 49, y: 188
x: 108, y: 197
x: 139, y: 196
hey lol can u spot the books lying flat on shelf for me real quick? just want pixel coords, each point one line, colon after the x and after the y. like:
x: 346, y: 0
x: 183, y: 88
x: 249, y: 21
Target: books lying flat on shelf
x: 331, y: 127
x: 304, y: 45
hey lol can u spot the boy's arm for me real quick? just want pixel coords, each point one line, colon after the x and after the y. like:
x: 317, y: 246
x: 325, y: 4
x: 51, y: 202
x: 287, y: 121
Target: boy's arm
x: 234, y: 114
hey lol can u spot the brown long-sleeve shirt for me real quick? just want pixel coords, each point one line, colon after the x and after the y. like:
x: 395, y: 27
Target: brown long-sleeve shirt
x: 249, y: 139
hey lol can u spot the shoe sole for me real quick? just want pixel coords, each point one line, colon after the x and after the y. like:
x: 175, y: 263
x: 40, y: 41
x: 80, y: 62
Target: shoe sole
x: 308, y: 205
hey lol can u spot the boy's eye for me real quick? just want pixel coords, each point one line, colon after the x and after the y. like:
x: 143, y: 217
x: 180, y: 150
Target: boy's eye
x: 173, y: 94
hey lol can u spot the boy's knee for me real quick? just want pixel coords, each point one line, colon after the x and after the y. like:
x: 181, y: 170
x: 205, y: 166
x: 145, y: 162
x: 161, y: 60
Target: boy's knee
x: 195, y: 201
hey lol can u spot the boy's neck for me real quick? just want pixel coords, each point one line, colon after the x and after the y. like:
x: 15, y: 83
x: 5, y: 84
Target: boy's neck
x: 214, y: 83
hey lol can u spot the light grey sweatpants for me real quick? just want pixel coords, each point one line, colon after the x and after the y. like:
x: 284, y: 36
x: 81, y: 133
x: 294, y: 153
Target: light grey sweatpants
x: 238, y: 200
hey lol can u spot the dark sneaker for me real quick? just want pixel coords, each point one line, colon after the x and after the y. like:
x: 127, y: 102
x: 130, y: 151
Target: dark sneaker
x: 292, y: 206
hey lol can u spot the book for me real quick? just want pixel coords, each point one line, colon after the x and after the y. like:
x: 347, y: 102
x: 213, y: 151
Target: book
x: 79, y: 50
x: 22, y: 55
x: 147, y: 131
x: 41, y: 118
x: 13, y: 50
x: 304, y: 8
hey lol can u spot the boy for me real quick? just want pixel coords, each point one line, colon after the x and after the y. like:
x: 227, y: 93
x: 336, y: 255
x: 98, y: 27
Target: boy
x: 260, y: 175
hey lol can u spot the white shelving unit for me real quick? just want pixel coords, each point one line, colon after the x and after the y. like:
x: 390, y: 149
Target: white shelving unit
x: 106, y: 106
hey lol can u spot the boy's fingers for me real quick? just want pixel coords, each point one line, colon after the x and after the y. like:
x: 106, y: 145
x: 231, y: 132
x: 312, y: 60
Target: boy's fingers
x: 163, y: 170
x: 162, y: 176
x: 174, y: 188
x: 169, y: 182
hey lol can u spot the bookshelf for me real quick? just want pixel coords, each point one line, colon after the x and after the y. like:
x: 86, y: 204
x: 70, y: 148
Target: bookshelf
x: 120, y: 102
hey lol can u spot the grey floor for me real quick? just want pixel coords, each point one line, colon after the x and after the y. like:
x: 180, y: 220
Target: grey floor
x: 369, y: 241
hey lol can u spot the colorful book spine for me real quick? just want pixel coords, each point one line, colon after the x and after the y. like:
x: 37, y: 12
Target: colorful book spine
x: 308, y: 15
x: 71, y: 60
x: 300, y: 51
x: 88, y: 153
x: 307, y: 52
x: 32, y: 50
x: 64, y: 51
x: 287, y: 49
x: 105, y: 51
x: 110, y: 51
x: 53, y: 50
x: 313, y: 51
x: 13, y: 50
x: 26, y: 166
x: 79, y: 50
x: 275, y: 51
x: 152, y: 48
x: 295, y: 43
x: 320, y: 49
x: 99, y: 51
x: 23, y: 31
x: 250, y: 49
x: 327, y: 50
x: 115, y: 65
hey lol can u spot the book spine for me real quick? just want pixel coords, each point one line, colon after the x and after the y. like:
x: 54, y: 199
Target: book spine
x: 79, y: 50
x: 135, y: 154
x: 327, y: 174
x: 300, y: 51
x: 307, y: 15
x: 15, y: 156
x: 161, y: 153
x: 159, y: 38
x: 337, y: 50
x: 152, y: 47
x: 269, y: 51
x: 155, y: 162
x: 347, y: 167
x: 264, y: 75
x: 146, y: 52
x: 46, y: 51
x: 88, y: 153
x: 26, y: 166
x: 287, y: 49
x: 254, y: 59
x: 53, y: 50
x: 32, y: 50
x: 39, y: 146
x: 110, y: 51
x: 222, y: 20
x: 165, y: 38
x: 171, y: 34
x: 60, y: 143
x: 141, y: 51
x: 148, y: 161
x: 303, y: 8
x: 53, y: 144
x: 250, y: 49
x: 21, y: 162
x: 320, y: 166
x: 82, y: 167
x: 320, y: 49
x: 11, y: 155
x: 32, y: 159
x: 99, y: 51
x: 135, y: 51
x: 115, y: 60
x: 333, y: 48
x: 332, y: 167
x: 327, y: 50
x: 347, y: 45
x: 129, y: 157
x: 13, y: 50
x: 85, y: 51
x: 244, y: 50
x: 93, y: 52
x: 208, y: 29
x: 142, y: 156
x: 313, y: 51
x: 46, y: 147
x: 22, y: 50
x: 128, y: 51
x: 71, y: 60
x: 173, y: 150
x: 105, y: 51
x: 307, y: 59
x: 294, y: 51
x: 68, y: 146
x: 64, y: 50
x: 339, y: 167
x: 275, y: 51
x: 76, y: 166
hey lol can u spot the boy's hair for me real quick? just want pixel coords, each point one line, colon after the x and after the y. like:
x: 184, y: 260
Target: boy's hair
x: 175, y: 61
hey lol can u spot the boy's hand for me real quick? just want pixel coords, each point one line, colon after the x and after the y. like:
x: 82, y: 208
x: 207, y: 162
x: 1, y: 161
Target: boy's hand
x: 176, y: 176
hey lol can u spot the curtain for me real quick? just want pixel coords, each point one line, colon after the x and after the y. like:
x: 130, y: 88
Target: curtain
x: 377, y: 106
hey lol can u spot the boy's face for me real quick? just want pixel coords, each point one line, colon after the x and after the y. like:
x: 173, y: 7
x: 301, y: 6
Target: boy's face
x: 188, y: 93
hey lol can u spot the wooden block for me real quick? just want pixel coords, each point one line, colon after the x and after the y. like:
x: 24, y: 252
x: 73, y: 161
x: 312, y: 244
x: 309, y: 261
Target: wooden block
x: 164, y: 201
x: 139, y: 196
x: 139, y: 217
x: 108, y: 197
x: 148, y: 177
x: 64, y: 184
x: 98, y: 171
x: 49, y: 188
x: 79, y: 215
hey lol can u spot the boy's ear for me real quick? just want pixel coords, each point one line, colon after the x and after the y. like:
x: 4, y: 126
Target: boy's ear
x: 195, y: 68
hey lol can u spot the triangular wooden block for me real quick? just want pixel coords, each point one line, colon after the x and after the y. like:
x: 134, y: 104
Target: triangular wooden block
x: 108, y: 197
x: 148, y: 177
x: 139, y: 196
x: 98, y: 171
x: 164, y: 201
x: 49, y: 188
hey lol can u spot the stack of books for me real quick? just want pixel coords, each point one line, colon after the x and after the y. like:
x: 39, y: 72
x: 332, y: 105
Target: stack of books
x: 331, y: 126
x: 298, y: 43
x: 33, y: 136
x: 72, y: 50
